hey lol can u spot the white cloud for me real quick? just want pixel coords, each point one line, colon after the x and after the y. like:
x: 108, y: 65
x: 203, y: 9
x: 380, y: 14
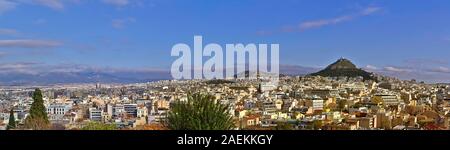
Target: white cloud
x: 29, y: 43
x: 19, y: 67
x: 6, y: 5
x: 262, y: 32
x: 119, y: 3
x: 43, y: 68
x: 2, y: 54
x: 118, y: 23
x: 441, y: 70
x: 370, y: 67
x: 447, y: 39
x: 54, y: 4
x: 121, y: 23
x: 370, y: 10
x: 40, y: 21
x: 8, y: 31
x: 395, y: 69
x: 324, y: 22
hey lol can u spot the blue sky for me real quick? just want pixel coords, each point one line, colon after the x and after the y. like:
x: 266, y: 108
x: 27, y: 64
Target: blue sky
x: 404, y: 38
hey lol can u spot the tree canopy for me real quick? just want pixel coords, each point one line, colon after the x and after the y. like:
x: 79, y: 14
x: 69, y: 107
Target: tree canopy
x: 99, y: 126
x: 199, y: 112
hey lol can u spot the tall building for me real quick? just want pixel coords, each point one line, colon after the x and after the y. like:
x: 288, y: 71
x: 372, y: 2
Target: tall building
x: 130, y: 109
x: 95, y: 114
x: 118, y: 110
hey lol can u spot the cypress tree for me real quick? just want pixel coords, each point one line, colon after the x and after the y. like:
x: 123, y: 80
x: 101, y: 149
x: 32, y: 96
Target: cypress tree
x: 12, y: 120
x: 37, y: 118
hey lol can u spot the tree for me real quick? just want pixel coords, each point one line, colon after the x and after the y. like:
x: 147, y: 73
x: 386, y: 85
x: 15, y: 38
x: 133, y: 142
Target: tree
x: 317, y: 124
x: 341, y: 104
x: 259, y: 88
x: 37, y: 119
x: 377, y: 100
x: 99, y: 126
x: 284, y: 126
x: 12, y: 120
x: 199, y: 112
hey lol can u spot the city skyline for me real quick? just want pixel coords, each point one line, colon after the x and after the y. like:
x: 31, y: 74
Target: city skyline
x: 401, y: 39
x: 212, y: 73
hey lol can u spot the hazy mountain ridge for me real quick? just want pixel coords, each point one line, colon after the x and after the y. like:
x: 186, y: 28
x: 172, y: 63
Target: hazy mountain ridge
x: 78, y: 77
x: 342, y: 67
x: 107, y: 75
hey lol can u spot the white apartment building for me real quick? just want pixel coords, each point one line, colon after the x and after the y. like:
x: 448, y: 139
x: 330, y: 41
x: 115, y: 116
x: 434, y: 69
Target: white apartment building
x: 95, y: 114
x: 317, y: 104
x: 389, y: 99
x: 142, y: 112
x: 56, y: 111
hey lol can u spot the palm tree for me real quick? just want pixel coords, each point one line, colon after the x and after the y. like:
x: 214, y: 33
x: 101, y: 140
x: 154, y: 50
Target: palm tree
x: 199, y: 112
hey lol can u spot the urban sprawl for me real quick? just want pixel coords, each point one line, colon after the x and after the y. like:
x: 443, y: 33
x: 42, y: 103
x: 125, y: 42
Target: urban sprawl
x: 295, y: 103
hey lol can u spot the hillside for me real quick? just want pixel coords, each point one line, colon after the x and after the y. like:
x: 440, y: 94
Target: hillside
x: 343, y: 67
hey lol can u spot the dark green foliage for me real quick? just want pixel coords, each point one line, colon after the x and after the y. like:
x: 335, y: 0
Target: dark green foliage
x: 341, y: 104
x: 37, y: 119
x: 317, y: 124
x: 199, y: 112
x: 99, y: 126
x: 239, y: 88
x: 259, y: 88
x: 284, y: 126
x: 12, y: 121
x: 342, y: 64
x: 343, y: 67
x: 218, y: 81
x: 344, y: 72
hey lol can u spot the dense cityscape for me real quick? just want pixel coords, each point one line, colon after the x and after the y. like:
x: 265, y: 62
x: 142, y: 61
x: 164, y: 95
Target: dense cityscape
x: 297, y: 103
x: 205, y: 74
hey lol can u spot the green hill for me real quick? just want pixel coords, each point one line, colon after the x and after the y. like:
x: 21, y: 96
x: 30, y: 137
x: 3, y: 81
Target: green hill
x: 343, y: 67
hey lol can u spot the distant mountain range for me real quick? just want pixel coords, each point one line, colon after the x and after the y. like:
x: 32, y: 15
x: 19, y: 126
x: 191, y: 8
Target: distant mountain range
x: 344, y: 67
x: 80, y: 77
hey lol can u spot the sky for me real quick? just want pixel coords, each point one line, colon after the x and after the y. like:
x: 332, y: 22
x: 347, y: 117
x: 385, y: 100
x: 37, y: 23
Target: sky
x: 403, y: 38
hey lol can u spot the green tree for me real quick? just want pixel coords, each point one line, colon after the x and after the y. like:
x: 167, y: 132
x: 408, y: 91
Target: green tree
x: 12, y: 120
x: 341, y: 104
x: 284, y: 126
x: 99, y: 126
x: 199, y: 112
x: 317, y: 124
x: 377, y: 100
x: 37, y: 119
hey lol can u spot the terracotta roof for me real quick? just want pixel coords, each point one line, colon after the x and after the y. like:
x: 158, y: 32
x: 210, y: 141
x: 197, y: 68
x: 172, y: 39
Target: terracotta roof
x: 252, y: 116
x: 432, y: 127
